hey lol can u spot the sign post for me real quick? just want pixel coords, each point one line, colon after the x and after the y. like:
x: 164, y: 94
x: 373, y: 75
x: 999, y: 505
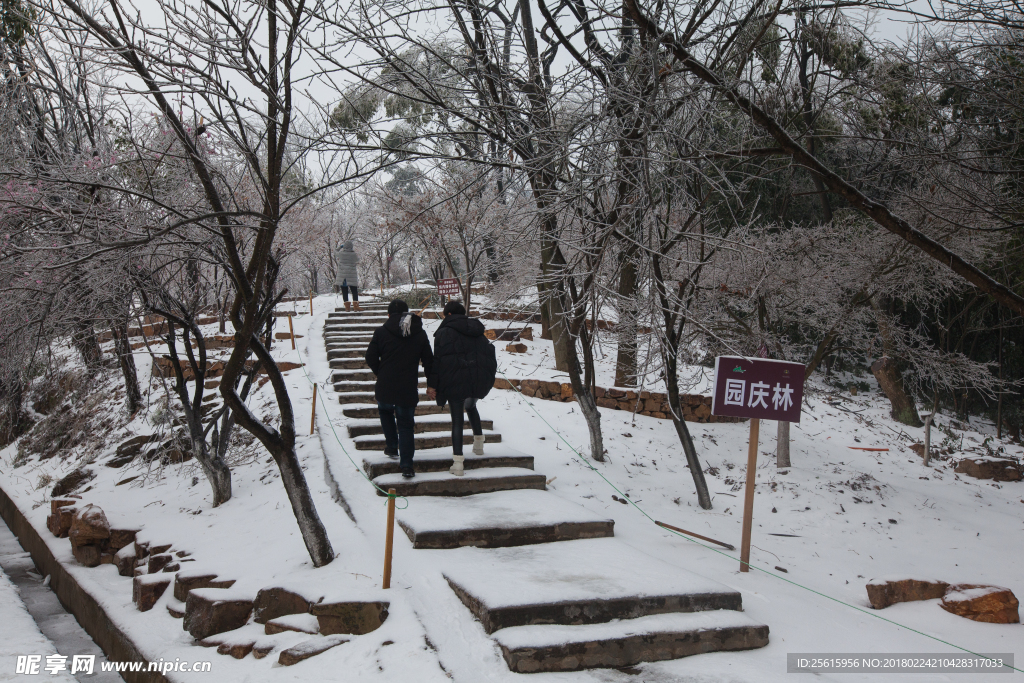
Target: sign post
x: 449, y: 287
x: 756, y: 388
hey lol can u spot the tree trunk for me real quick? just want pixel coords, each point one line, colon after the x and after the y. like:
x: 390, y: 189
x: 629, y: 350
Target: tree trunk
x: 683, y: 432
x: 887, y: 372
x: 626, y: 327
x: 87, y: 344
x: 889, y: 379
x: 125, y: 358
x: 782, y: 448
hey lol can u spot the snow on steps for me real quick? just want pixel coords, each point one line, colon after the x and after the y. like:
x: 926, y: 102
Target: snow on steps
x: 498, y: 520
x: 441, y: 459
x: 532, y: 649
x: 376, y: 443
x: 369, y: 410
x: 364, y: 386
x: 372, y: 427
x: 577, y: 582
x: 484, y: 480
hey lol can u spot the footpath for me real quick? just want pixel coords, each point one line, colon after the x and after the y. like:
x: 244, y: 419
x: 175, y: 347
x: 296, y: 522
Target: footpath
x: 545, y: 579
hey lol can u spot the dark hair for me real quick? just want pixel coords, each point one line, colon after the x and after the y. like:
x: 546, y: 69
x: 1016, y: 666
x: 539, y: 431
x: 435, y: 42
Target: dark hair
x: 397, y: 306
x: 454, y: 308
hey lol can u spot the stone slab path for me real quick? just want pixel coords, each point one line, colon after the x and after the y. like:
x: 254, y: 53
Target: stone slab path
x: 544, y: 577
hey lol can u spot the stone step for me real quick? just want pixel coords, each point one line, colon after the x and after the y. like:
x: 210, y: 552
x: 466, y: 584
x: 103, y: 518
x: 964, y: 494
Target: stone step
x: 349, y: 339
x: 534, y: 649
x: 359, y: 376
x: 484, y: 480
x: 369, y: 397
x: 578, y: 582
x: 383, y: 306
x: 499, y: 520
x: 362, y: 317
x: 334, y: 329
x: 440, y: 460
x: 348, y: 364
x: 369, y: 410
x: 364, y: 386
x: 422, y: 427
x: 358, y: 352
x: 375, y: 443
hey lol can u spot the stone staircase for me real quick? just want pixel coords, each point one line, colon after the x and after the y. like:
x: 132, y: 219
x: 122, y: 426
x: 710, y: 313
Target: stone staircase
x: 545, y: 577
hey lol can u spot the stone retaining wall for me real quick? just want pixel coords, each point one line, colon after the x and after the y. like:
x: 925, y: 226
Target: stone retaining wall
x: 696, y: 408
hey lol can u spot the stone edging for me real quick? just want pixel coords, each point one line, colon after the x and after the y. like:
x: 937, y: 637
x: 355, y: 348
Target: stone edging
x: 696, y: 408
x: 116, y: 644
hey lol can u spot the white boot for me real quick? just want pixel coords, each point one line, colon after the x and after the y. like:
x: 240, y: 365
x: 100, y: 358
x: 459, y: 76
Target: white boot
x: 456, y: 468
x: 478, y: 444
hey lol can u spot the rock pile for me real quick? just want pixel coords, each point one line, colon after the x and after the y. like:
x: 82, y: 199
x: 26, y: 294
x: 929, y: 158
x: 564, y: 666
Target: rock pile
x: 991, y: 604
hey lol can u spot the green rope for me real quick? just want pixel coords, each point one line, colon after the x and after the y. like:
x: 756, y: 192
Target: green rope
x: 586, y: 462
x: 335, y: 432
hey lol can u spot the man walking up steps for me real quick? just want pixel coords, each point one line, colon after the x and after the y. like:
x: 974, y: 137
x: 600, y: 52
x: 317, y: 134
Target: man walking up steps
x: 394, y: 355
x: 464, y: 369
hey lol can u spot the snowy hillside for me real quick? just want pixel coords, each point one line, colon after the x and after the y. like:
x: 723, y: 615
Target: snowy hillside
x: 822, y: 528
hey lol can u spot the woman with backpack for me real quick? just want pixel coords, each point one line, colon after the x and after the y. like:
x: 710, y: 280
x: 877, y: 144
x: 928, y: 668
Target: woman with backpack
x: 463, y: 373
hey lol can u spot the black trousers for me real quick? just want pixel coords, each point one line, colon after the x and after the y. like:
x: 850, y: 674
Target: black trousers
x: 399, y: 425
x: 469, y: 405
x: 345, y: 289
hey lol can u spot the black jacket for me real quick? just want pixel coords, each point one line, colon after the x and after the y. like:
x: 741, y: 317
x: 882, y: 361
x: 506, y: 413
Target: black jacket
x: 464, y: 360
x: 394, y: 356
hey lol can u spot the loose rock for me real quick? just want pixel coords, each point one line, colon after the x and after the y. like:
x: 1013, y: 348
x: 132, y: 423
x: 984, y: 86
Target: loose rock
x: 882, y: 595
x: 209, y: 611
x: 350, y: 617
x: 147, y: 589
x: 276, y: 602
x: 309, y: 648
x: 990, y: 604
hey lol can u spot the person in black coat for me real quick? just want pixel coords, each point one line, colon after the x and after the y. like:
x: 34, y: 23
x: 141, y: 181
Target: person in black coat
x: 394, y: 355
x: 463, y: 372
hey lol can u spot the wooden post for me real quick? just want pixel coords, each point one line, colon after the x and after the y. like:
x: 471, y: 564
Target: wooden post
x: 311, y: 302
x: 927, y: 438
x: 291, y: 331
x: 390, y: 538
x: 782, y: 448
x: 748, y: 498
x: 312, y: 416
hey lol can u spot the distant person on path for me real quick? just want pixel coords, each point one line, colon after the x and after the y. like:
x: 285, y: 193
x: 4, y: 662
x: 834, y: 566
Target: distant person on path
x: 348, y: 274
x: 463, y: 373
x: 394, y: 354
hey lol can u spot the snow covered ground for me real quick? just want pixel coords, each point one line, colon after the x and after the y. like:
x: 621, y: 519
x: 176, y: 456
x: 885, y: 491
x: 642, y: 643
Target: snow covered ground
x: 836, y: 519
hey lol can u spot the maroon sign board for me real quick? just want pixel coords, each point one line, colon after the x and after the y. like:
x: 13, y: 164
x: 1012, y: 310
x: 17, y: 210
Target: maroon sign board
x: 758, y: 388
x: 449, y: 287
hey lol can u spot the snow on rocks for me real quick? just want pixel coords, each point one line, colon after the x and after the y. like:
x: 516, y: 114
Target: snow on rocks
x: 215, y: 610
x: 301, y: 623
x: 987, y: 467
x: 148, y: 588
x: 89, y: 534
x: 991, y: 604
x: 309, y: 648
x: 884, y: 593
x: 187, y: 580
